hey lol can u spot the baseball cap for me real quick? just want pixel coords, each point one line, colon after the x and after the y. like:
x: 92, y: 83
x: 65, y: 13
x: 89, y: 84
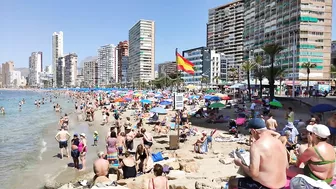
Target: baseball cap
x: 75, y: 135
x: 204, y: 132
x: 319, y: 130
x: 256, y: 123
x: 83, y: 135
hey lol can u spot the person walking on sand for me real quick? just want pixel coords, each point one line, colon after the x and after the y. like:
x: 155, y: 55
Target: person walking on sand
x: 62, y: 138
x: 271, y: 123
x: 82, y: 148
x: 268, y: 160
x: 121, y: 142
x: 74, y: 151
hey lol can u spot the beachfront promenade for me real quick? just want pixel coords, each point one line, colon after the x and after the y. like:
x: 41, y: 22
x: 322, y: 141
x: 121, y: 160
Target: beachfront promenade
x: 310, y: 101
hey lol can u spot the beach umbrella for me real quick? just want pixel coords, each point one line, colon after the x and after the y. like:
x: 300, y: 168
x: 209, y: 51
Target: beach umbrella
x: 219, y: 94
x: 164, y: 103
x: 128, y: 99
x: 207, y: 97
x: 145, y: 101
x: 194, y: 97
x: 217, y: 105
x: 158, y: 96
x: 321, y: 108
x: 276, y: 104
x: 215, y: 98
x: 190, y: 86
x: 210, y: 91
x: 158, y: 110
x: 258, y: 101
x: 226, y: 98
x: 119, y: 100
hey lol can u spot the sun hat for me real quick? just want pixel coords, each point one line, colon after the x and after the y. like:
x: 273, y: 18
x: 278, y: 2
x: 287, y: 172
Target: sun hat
x: 95, y: 132
x: 256, y: 123
x: 204, y: 132
x: 83, y: 135
x: 290, y: 125
x: 319, y: 130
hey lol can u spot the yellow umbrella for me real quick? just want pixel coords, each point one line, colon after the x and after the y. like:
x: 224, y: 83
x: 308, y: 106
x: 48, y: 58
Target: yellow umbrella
x: 219, y: 94
x: 138, y: 94
x: 191, y: 86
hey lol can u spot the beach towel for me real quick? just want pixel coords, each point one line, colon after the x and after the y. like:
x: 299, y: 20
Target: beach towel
x: 113, y: 158
x: 240, y: 121
x: 173, y: 126
x: 157, y: 157
x: 305, y: 182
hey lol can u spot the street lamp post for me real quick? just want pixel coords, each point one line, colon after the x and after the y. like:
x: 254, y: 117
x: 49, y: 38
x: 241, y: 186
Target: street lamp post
x: 294, y: 62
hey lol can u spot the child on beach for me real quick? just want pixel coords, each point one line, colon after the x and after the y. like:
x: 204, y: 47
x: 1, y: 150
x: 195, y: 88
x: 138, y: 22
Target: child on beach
x: 95, y: 138
x: 121, y: 142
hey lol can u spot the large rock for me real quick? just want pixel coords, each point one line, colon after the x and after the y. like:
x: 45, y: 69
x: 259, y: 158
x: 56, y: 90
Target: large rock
x: 177, y: 187
x: 140, y: 182
x: 175, y: 165
x: 176, y: 174
x: 206, y: 185
x: 189, y: 166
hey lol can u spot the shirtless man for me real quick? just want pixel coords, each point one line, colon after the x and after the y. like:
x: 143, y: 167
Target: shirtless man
x: 129, y: 140
x: 159, y: 182
x: 101, y: 168
x: 62, y: 138
x: 271, y: 123
x: 268, y: 160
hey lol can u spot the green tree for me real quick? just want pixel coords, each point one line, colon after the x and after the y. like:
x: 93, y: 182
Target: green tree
x: 216, y: 79
x: 259, y: 74
x: 233, y: 74
x: 277, y: 72
x: 333, y: 73
x: 308, y: 66
x: 272, y: 50
x: 248, y: 66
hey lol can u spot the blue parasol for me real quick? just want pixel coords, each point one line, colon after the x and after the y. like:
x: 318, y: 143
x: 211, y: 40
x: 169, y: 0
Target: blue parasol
x: 164, y: 103
x: 321, y: 108
x: 145, y: 101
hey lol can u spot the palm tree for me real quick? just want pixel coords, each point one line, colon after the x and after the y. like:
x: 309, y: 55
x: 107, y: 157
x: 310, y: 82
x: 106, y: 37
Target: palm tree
x: 272, y: 50
x: 233, y: 73
x: 308, y: 66
x: 216, y: 78
x: 247, y: 67
x: 260, y: 75
x: 333, y: 73
x: 277, y: 72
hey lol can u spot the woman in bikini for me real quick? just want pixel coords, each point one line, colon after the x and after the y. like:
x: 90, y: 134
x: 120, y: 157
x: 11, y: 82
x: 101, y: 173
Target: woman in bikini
x: 82, y: 148
x: 319, y: 159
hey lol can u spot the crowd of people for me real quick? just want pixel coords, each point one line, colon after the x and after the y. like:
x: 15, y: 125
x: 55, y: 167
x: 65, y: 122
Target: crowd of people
x: 271, y: 148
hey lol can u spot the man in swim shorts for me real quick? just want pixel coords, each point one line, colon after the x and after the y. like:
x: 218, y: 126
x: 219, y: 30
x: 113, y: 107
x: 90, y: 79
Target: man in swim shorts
x: 62, y: 138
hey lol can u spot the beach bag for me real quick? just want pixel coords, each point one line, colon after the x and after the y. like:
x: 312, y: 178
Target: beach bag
x: 304, y: 182
x: 157, y: 157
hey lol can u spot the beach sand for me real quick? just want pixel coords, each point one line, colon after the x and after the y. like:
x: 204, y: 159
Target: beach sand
x: 211, y: 171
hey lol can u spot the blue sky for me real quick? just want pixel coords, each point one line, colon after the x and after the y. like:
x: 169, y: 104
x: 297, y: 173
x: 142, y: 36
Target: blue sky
x: 27, y: 26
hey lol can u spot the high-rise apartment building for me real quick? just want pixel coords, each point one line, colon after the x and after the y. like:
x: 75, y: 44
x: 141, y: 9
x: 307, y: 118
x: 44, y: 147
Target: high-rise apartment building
x: 225, y: 29
x: 35, y: 69
x: 201, y: 58
x: 90, y: 72
x: 7, y: 68
x: 124, y: 69
x: 141, y: 51
x: 107, y: 65
x: 57, y: 51
x: 122, y: 51
x: 167, y: 68
x: 333, y: 53
x: 70, y: 69
x: 60, y: 77
x: 303, y: 28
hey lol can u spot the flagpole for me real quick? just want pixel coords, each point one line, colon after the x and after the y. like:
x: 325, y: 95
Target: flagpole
x: 178, y: 111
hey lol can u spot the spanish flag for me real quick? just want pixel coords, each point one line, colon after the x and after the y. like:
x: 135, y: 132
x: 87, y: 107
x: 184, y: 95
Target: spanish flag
x: 184, y: 64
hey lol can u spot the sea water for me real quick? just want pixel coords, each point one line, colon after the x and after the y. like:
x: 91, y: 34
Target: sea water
x: 23, y: 132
